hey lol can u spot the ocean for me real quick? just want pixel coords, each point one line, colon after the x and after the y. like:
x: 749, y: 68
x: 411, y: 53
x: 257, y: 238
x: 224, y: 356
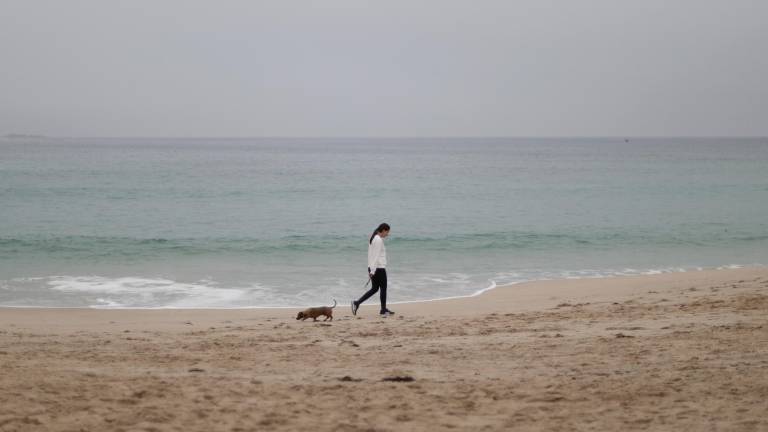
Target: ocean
x: 278, y: 222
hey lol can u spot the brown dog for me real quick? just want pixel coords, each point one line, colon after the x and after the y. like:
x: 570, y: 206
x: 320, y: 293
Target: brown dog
x: 316, y: 312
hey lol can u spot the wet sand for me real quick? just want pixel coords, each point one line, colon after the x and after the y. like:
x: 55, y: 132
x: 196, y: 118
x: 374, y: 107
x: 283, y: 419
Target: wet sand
x: 681, y: 351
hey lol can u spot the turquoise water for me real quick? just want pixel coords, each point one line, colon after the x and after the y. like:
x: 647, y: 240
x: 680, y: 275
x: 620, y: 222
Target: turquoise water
x: 285, y: 222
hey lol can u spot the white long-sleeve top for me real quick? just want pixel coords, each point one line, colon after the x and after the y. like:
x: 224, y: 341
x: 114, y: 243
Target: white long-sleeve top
x: 377, y: 254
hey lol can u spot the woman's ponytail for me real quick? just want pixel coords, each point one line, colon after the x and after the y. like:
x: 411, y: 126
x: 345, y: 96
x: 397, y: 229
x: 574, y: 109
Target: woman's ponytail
x: 383, y: 227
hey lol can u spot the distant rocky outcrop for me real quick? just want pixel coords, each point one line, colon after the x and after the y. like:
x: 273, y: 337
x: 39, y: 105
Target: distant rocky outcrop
x: 23, y: 136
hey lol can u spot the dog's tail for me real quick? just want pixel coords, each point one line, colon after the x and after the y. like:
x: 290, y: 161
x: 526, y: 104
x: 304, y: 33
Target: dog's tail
x: 334, y: 304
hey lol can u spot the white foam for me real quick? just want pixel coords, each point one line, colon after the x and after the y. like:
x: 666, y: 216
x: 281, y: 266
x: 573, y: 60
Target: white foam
x: 474, y: 294
x: 148, y: 292
x: 730, y: 267
x: 106, y: 303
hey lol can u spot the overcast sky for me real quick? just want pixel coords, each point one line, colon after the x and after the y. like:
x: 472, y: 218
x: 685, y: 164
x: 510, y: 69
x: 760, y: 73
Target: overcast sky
x: 384, y: 68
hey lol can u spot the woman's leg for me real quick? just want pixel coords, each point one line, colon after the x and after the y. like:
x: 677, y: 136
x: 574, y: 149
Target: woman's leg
x: 383, y: 288
x: 374, y: 288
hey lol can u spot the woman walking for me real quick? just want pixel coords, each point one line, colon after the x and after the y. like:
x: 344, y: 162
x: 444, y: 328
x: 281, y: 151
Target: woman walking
x: 377, y: 272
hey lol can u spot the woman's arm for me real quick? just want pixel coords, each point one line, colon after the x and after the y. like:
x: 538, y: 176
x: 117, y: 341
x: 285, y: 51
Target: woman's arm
x: 374, y: 251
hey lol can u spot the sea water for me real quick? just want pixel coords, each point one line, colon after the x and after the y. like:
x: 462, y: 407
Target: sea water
x: 271, y: 222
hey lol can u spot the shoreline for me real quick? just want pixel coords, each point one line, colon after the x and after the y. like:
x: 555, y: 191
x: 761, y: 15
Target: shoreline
x: 480, y: 292
x: 642, y: 273
x: 520, y: 297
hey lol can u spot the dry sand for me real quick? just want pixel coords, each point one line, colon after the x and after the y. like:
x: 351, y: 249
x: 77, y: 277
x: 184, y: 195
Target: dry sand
x: 683, y: 351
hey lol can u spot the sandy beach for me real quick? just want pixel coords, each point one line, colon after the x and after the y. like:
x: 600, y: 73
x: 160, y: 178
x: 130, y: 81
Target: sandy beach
x: 677, y: 351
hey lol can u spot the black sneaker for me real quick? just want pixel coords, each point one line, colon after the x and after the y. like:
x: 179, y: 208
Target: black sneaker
x: 354, y: 307
x: 386, y: 313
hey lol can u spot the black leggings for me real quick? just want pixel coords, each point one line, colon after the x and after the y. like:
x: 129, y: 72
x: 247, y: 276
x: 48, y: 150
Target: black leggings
x: 378, y: 283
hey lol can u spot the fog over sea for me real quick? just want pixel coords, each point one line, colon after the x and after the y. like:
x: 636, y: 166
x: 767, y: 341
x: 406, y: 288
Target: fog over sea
x: 225, y: 223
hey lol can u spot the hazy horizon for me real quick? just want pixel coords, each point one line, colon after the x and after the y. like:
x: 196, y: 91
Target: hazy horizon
x: 391, y: 137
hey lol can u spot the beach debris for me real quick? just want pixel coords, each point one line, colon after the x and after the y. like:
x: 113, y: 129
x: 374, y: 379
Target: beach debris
x: 622, y: 335
x: 551, y: 397
x: 196, y: 370
x: 399, y: 378
x: 566, y: 304
x: 347, y: 378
